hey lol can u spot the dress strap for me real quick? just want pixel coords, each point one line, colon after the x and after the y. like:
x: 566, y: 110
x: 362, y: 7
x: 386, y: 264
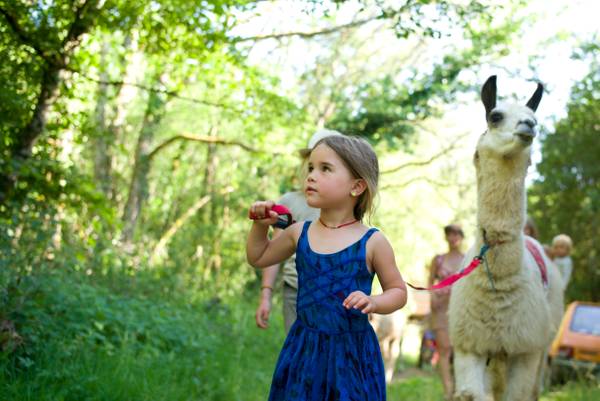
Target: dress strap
x: 303, y: 239
x: 364, y: 240
x: 305, y: 228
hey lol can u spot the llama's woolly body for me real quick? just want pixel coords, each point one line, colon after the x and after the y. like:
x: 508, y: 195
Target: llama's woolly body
x: 520, y: 315
x: 500, y: 336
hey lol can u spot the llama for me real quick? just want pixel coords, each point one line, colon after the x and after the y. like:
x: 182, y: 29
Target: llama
x: 503, y: 320
x: 390, y: 330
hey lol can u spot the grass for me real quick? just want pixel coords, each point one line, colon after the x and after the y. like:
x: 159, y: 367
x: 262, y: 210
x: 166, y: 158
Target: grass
x: 86, y: 342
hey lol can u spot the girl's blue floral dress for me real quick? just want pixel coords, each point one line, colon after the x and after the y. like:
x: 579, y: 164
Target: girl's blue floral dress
x: 331, y: 353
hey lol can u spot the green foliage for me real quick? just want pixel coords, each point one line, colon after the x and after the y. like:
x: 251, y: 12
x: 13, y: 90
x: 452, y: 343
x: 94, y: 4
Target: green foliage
x: 389, y: 108
x: 84, y: 341
x: 566, y: 197
x: 85, y: 314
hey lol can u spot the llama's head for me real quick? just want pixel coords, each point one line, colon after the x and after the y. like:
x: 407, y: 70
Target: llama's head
x: 511, y: 127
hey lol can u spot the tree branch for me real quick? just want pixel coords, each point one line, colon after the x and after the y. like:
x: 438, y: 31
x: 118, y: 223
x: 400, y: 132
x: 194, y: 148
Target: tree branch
x: 160, y: 247
x: 207, y: 139
x: 435, y: 183
x: 23, y: 36
x: 167, y: 92
x: 308, y: 35
x: 420, y: 163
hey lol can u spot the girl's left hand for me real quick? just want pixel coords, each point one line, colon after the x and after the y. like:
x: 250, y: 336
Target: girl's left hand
x: 360, y: 300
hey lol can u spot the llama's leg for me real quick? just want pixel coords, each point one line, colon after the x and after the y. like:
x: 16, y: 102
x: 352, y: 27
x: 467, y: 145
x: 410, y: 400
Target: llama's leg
x: 539, y: 385
x: 522, y: 377
x: 394, y: 350
x: 385, y: 352
x: 469, y: 371
x: 496, y: 373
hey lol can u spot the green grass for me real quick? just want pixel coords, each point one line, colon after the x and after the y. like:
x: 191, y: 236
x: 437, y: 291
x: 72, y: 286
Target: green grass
x: 86, y: 342
x: 574, y: 391
x: 416, y: 388
x: 83, y: 342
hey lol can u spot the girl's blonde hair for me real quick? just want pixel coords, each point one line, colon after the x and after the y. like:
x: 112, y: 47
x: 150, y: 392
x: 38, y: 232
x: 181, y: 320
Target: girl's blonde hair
x: 563, y: 239
x: 361, y: 160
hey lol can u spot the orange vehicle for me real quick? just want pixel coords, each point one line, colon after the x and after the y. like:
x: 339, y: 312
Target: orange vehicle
x: 577, y: 343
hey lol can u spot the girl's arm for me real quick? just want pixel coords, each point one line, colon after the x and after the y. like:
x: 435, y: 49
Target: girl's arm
x: 384, y: 264
x: 261, y: 252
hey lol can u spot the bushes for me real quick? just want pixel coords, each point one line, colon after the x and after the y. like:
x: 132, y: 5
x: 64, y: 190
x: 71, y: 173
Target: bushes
x: 81, y: 341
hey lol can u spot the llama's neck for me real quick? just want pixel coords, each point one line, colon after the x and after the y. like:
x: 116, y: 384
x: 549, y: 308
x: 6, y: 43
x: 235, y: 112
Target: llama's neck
x: 501, y: 203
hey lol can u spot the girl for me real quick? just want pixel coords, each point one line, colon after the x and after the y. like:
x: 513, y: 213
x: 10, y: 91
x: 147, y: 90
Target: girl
x: 331, y: 352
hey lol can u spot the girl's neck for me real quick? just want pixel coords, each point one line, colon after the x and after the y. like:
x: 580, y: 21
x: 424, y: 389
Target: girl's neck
x: 336, y: 217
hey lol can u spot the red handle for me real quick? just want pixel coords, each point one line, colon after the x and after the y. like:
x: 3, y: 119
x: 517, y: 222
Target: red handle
x: 285, y: 216
x: 279, y: 209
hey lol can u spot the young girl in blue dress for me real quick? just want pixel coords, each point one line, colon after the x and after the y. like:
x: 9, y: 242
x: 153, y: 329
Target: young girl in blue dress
x: 331, y: 352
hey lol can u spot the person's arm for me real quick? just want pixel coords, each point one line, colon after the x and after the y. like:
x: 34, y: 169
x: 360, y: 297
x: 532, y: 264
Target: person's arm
x: 269, y: 276
x: 394, y: 289
x: 432, y: 271
x: 568, y: 269
x: 262, y: 252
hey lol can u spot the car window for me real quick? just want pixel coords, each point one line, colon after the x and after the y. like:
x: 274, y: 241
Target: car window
x: 586, y: 320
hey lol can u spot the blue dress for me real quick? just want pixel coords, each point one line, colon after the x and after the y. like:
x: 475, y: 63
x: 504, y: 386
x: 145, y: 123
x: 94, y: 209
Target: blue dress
x: 330, y: 353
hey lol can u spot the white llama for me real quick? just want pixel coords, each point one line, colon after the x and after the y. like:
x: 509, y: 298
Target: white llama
x: 503, y: 320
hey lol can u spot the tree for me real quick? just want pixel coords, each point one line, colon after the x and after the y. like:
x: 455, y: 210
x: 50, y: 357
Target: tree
x: 566, y: 196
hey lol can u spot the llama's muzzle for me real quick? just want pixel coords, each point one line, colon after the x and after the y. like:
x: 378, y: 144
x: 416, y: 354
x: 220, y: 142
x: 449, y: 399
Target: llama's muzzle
x: 525, y: 132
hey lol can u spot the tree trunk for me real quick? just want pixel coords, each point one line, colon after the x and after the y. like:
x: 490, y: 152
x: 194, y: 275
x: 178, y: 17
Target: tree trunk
x: 138, y: 188
x: 55, y: 61
x: 23, y: 143
x: 100, y: 141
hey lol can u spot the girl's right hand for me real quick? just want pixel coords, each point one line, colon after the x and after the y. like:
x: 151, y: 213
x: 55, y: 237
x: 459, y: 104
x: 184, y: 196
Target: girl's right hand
x: 262, y: 214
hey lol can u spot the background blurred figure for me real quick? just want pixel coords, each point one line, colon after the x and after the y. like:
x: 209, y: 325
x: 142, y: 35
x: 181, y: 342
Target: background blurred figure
x: 443, y: 266
x: 530, y: 228
x: 561, y: 251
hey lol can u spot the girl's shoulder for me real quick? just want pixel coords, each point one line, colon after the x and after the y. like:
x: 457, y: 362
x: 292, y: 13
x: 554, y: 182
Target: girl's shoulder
x: 377, y: 239
x: 295, y: 230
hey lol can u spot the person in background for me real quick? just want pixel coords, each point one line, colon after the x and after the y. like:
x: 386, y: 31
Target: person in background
x: 530, y: 228
x: 295, y: 201
x: 561, y: 251
x: 443, y: 266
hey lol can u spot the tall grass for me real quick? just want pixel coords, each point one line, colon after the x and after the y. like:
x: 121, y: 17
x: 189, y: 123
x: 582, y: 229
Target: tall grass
x: 85, y: 341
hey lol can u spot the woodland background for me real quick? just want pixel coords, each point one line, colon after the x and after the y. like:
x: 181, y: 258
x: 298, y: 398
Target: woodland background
x: 134, y: 136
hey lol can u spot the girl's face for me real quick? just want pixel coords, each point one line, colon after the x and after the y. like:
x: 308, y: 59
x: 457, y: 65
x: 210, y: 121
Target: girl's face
x: 329, y: 181
x: 560, y: 250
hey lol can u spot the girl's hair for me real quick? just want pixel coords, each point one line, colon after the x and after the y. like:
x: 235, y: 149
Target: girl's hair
x: 563, y: 239
x: 360, y: 158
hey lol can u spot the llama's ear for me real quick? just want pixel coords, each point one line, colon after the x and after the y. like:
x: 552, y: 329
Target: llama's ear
x: 537, y: 96
x: 488, y: 95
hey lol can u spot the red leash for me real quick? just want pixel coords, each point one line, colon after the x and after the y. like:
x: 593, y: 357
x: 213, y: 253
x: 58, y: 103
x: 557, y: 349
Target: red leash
x: 448, y: 281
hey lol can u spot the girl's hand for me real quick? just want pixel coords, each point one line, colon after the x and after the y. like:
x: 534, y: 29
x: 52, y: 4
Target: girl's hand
x: 360, y: 300
x: 262, y: 213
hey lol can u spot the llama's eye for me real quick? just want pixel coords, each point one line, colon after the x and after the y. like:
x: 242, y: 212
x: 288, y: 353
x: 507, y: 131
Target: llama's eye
x: 496, y: 117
